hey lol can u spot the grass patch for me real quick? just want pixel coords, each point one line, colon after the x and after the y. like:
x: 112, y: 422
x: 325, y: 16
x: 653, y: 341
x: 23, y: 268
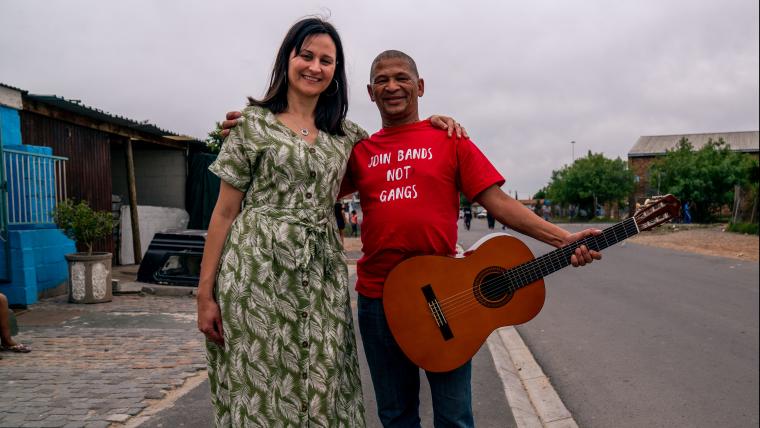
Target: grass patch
x: 748, y: 228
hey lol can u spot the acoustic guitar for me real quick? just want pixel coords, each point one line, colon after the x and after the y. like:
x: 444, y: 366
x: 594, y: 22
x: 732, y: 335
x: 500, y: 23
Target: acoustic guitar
x: 441, y: 309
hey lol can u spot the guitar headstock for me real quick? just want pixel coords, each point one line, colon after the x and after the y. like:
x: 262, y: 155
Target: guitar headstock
x: 656, y: 211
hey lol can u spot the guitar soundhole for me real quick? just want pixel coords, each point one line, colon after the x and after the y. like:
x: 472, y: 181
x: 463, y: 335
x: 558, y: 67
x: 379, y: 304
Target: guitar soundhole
x: 491, y: 289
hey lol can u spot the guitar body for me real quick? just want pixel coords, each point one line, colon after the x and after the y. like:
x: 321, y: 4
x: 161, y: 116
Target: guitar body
x: 442, y: 340
x: 441, y: 309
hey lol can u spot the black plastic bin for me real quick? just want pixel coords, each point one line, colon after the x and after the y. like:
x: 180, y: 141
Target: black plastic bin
x: 173, y: 257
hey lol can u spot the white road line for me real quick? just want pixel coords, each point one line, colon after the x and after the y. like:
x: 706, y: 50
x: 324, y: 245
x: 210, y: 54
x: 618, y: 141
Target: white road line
x: 530, y: 395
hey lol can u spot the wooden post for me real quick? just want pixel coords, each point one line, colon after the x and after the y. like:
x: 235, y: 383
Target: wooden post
x: 133, y: 203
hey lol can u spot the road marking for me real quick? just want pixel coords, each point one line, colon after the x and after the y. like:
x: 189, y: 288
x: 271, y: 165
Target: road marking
x: 168, y: 401
x: 530, y: 395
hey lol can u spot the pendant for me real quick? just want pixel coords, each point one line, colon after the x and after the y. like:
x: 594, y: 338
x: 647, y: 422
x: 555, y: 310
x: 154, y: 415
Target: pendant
x: 304, y: 132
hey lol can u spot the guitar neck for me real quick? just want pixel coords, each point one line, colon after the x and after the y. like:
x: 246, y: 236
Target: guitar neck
x: 524, y: 274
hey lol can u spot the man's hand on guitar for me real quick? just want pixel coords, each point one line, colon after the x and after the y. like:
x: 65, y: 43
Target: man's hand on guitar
x: 231, y: 122
x: 582, y: 254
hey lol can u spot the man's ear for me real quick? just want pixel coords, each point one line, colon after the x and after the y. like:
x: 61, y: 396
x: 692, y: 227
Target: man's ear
x: 369, y: 91
x: 421, y: 86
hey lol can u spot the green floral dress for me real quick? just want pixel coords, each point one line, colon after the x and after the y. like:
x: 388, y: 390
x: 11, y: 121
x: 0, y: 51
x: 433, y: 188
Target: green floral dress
x: 289, y: 357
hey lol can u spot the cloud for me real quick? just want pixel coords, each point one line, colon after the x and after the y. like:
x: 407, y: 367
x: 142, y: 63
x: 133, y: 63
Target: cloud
x: 525, y: 78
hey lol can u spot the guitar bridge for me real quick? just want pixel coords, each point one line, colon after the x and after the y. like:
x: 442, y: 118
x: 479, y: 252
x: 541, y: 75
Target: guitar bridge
x: 437, y: 312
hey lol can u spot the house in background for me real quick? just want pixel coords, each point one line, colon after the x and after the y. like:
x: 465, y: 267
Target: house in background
x: 648, y: 148
x: 85, y: 152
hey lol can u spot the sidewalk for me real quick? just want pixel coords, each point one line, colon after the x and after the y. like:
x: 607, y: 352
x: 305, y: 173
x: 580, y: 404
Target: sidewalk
x: 94, y: 365
x: 139, y: 361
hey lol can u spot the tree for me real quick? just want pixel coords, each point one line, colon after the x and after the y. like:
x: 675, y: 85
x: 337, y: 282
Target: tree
x: 704, y: 177
x: 215, y: 139
x: 541, y: 194
x: 590, y: 181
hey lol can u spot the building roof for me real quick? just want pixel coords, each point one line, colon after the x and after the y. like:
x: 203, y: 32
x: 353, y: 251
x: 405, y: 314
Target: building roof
x: 3, y: 85
x: 653, y: 145
x: 78, y: 108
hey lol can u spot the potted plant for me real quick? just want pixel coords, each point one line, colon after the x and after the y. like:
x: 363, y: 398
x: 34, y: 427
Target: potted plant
x: 89, y: 273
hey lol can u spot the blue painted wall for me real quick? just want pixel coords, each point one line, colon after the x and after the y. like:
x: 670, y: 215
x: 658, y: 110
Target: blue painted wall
x: 10, y: 126
x: 37, y: 261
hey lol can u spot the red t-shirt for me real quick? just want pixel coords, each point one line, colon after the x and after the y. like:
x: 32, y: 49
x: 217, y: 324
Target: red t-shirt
x: 409, y: 178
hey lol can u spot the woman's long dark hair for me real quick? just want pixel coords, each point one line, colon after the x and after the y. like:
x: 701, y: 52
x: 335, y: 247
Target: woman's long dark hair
x: 332, y: 105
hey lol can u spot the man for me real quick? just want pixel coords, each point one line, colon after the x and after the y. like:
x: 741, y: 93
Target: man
x: 467, y: 216
x: 409, y: 176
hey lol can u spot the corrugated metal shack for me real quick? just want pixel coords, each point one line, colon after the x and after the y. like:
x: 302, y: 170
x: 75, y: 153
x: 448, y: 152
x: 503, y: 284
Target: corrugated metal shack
x: 98, y: 145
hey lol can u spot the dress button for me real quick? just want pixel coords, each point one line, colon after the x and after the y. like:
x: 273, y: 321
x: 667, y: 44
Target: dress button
x: 305, y: 283
x: 305, y: 344
x: 304, y: 408
x: 312, y: 150
x: 308, y: 195
x: 304, y: 375
x: 304, y: 315
x: 313, y: 174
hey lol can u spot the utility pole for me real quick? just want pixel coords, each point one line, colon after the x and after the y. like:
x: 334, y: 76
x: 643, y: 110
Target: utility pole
x: 572, y: 144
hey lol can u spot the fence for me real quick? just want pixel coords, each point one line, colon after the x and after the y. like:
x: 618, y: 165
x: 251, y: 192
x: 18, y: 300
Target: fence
x: 36, y: 182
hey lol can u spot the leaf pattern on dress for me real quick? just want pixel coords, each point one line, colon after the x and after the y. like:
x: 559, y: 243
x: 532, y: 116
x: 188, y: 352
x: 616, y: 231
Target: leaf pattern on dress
x: 284, y: 236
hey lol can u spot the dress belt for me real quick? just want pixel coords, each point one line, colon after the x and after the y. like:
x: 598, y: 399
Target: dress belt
x: 314, y: 220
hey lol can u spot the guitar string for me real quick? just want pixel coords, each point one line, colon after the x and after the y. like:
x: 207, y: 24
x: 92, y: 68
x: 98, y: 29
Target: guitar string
x: 495, y: 287
x: 471, y: 303
x: 516, y: 272
x: 531, y: 271
x: 497, y: 290
x: 556, y: 257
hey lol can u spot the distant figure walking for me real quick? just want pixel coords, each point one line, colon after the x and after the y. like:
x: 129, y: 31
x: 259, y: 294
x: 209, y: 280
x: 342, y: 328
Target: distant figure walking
x: 467, y: 216
x: 491, y: 220
x: 354, y: 223
x: 546, y: 211
x: 686, y: 213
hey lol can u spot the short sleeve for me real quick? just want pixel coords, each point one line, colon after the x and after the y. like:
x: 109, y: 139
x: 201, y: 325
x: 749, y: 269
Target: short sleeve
x: 233, y: 165
x: 475, y: 171
x: 354, y: 132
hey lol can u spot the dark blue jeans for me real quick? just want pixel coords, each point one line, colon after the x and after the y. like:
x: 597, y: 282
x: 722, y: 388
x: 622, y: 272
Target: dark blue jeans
x: 396, y: 380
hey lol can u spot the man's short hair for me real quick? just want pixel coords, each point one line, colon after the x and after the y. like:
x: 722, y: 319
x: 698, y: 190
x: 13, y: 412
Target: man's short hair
x: 391, y: 54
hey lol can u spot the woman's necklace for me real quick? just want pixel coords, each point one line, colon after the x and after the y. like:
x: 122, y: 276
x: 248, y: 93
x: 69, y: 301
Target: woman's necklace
x: 304, y: 132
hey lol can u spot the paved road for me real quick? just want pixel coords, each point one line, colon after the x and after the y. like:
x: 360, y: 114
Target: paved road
x: 490, y: 406
x: 650, y: 337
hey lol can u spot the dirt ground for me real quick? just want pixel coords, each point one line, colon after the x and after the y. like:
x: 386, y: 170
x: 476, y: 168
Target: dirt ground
x: 710, y: 240
x: 702, y: 239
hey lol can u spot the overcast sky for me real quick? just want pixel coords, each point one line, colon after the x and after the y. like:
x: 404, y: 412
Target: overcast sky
x: 526, y: 78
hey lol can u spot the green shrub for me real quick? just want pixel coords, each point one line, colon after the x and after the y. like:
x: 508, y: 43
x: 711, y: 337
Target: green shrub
x: 748, y: 228
x: 81, y: 223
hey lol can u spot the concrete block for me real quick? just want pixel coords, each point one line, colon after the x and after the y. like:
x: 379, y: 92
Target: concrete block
x: 152, y: 220
x: 168, y: 290
x: 22, y: 258
x: 127, y: 287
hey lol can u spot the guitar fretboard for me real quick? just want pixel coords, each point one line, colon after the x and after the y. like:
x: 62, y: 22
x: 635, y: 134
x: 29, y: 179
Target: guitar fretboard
x: 526, y: 273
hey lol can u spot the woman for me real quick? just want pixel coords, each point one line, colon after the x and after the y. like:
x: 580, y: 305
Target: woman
x: 273, y: 291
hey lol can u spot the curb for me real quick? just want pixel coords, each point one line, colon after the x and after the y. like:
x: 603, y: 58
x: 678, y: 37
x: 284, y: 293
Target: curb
x: 530, y: 394
x: 133, y: 287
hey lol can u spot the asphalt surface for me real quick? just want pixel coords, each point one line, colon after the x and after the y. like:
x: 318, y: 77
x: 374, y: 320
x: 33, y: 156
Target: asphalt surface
x: 649, y: 337
x: 490, y: 406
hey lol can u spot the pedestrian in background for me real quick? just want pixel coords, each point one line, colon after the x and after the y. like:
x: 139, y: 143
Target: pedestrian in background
x: 354, y: 223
